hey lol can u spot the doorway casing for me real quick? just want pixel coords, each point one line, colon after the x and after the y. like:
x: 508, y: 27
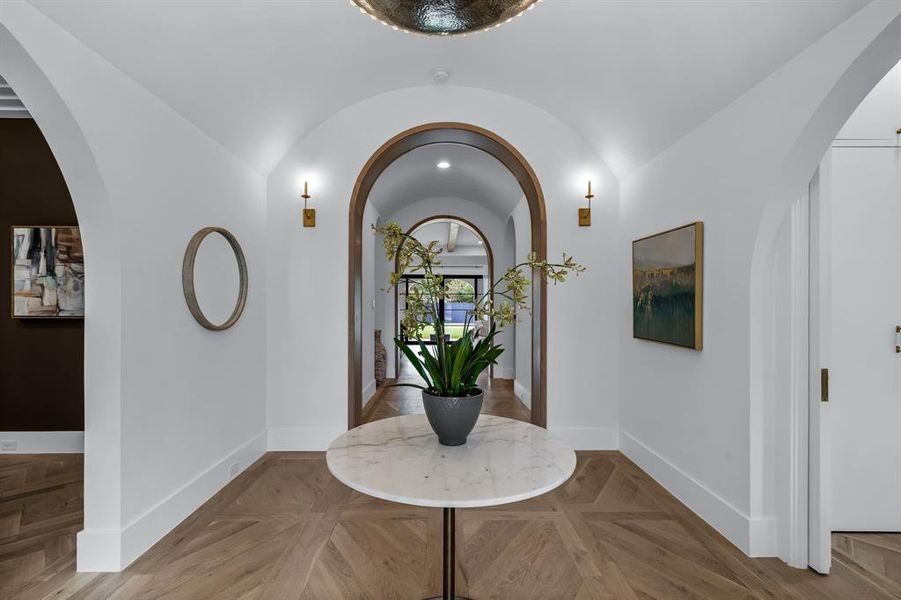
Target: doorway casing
x: 406, y: 141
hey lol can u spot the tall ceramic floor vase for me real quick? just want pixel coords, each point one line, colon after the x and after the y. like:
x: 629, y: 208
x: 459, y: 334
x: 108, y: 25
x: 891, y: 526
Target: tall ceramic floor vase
x: 452, y: 418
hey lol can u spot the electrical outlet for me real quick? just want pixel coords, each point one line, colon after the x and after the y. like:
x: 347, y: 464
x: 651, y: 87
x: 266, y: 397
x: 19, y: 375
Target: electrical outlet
x: 8, y: 445
x: 232, y: 470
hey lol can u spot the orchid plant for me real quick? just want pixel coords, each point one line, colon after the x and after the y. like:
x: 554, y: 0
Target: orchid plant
x: 453, y: 369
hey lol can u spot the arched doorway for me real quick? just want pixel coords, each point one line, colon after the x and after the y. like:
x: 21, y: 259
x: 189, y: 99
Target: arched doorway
x: 103, y: 311
x: 437, y: 218
x: 503, y: 151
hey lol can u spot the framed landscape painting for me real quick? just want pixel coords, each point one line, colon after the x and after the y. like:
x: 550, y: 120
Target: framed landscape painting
x: 47, y: 273
x: 667, y: 286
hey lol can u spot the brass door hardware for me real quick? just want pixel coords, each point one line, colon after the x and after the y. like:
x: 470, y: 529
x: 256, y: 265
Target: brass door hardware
x: 897, y: 338
x: 824, y: 385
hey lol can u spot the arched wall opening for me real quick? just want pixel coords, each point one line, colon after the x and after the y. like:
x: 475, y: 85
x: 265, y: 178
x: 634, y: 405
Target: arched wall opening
x: 783, y: 389
x: 486, y: 141
x: 489, y: 256
x: 102, y: 323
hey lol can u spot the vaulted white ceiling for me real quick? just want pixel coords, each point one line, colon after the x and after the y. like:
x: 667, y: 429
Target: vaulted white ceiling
x: 472, y: 175
x: 631, y: 76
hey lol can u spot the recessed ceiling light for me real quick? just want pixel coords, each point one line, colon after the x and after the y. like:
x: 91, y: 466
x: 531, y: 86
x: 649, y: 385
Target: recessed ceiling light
x: 480, y: 241
x: 443, y: 165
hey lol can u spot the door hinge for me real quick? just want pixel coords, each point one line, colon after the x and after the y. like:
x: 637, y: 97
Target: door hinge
x: 824, y: 385
x: 897, y: 338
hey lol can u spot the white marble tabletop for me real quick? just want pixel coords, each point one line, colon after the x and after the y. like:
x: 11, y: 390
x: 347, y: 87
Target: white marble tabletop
x: 400, y: 460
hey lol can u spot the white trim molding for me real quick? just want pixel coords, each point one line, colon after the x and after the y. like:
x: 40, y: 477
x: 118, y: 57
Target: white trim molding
x: 731, y: 522
x: 302, y: 439
x: 113, y: 550
x: 799, y: 374
x: 504, y: 373
x: 42, y: 442
x: 524, y: 394
x: 369, y: 392
x: 588, y: 438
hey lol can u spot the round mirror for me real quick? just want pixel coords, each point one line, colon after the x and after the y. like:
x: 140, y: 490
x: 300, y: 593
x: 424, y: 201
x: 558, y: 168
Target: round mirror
x: 214, y: 278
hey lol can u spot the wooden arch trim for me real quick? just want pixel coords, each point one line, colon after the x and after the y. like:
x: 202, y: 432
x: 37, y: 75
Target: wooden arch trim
x: 404, y: 142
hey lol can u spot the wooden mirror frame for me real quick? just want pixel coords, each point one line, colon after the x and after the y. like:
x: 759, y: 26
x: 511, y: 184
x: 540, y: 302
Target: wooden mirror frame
x: 187, y: 278
x: 509, y: 156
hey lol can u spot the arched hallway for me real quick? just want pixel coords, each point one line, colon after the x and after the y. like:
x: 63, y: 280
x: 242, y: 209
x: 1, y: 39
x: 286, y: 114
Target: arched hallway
x: 203, y: 450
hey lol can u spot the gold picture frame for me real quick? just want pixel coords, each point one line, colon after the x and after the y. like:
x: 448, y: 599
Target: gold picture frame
x: 668, y: 287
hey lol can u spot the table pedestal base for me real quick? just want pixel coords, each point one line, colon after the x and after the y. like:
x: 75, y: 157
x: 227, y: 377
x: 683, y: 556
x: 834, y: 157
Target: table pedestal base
x: 448, y: 538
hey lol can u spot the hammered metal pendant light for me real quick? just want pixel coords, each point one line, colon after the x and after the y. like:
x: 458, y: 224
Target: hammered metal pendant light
x: 444, y: 17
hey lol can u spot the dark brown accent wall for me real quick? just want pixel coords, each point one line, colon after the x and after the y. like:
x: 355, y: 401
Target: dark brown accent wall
x: 41, y: 361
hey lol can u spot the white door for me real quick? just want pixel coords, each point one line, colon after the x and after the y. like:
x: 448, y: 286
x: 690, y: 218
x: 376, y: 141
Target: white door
x: 865, y: 370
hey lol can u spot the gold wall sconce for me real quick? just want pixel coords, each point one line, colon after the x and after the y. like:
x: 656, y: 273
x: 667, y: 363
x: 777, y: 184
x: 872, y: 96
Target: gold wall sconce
x: 309, y: 214
x: 585, y: 213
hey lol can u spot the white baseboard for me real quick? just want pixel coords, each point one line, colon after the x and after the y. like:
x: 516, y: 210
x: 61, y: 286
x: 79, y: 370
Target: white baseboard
x: 114, y: 550
x: 588, y: 438
x: 98, y: 551
x: 524, y: 394
x: 287, y: 439
x: 735, y: 525
x: 763, y: 538
x: 368, y: 392
x: 504, y: 373
x: 43, y: 442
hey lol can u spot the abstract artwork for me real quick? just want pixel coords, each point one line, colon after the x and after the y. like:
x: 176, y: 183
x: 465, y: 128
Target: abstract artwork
x: 667, y: 286
x: 48, y: 272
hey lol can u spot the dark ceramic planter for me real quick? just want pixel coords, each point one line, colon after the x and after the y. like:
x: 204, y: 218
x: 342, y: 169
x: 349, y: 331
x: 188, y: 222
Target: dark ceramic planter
x: 452, y: 418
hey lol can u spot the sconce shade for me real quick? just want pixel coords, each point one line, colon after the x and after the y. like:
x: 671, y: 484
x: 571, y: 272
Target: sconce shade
x: 443, y: 17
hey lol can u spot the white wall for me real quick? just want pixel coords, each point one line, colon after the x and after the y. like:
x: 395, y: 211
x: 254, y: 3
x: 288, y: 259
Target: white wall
x: 187, y: 401
x: 688, y: 417
x: 522, y: 245
x: 586, y: 410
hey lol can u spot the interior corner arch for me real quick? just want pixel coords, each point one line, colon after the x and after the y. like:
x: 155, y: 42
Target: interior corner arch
x: 404, y: 142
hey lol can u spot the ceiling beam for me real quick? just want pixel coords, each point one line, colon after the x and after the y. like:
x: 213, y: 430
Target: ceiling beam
x: 453, y: 229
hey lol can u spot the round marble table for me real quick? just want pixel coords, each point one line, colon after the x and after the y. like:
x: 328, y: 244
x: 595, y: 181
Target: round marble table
x: 400, y: 460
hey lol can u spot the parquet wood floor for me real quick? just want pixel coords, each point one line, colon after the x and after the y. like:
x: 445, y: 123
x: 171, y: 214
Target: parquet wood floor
x: 285, y: 529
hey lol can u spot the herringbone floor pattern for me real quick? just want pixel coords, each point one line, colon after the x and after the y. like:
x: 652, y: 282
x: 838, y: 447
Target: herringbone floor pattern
x: 286, y: 529
x: 40, y: 513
